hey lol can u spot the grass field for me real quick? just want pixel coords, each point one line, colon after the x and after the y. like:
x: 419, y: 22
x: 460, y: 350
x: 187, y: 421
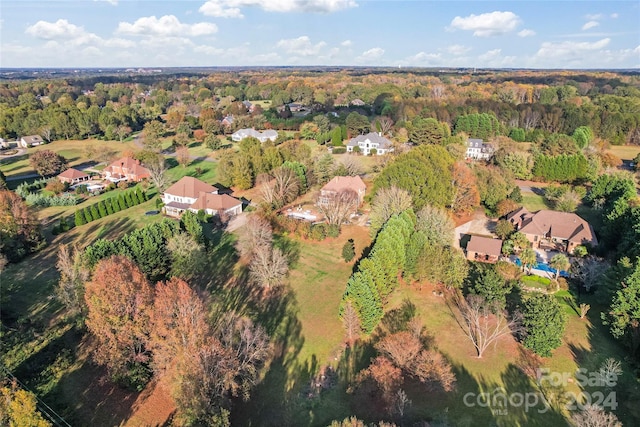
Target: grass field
x: 72, y: 150
x: 625, y: 152
x: 533, y: 202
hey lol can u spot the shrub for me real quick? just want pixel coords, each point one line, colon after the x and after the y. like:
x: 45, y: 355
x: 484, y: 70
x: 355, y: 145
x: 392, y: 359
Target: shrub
x: 123, y: 185
x: 121, y: 202
x: 41, y: 200
x: 128, y: 200
x: 318, y: 232
x: 56, y: 186
x: 348, y: 250
x: 110, y: 187
x: 333, y: 230
x: 82, y: 189
x: 339, y: 150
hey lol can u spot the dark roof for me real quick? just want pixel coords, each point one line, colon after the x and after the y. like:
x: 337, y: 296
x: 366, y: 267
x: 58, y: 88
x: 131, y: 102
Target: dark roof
x: 485, y: 245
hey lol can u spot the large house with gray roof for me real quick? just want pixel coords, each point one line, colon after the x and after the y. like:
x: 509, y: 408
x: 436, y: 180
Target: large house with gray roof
x: 477, y: 149
x: 268, y: 134
x: 369, y: 142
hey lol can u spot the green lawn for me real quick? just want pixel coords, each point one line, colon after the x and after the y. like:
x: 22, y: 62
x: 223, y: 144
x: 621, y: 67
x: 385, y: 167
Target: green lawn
x: 203, y: 170
x: 533, y: 202
x: 72, y: 150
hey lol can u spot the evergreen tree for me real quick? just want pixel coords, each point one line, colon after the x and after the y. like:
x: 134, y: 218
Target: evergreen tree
x: 362, y: 293
x: 107, y: 205
x: 95, y: 214
x: 79, y: 219
x: 87, y: 215
x: 102, y: 209
x: 348, y: 250
x: 192, y: 226
x: 140, y: 195
x: 115, y: 204
x: 121, y: 202
x: 128, y: 200
x: 544, y: 323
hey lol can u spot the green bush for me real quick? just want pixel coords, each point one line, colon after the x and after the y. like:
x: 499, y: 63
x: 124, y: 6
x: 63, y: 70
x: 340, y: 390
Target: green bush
x: 333, y: 230
x: 94, y: 212
x: 102, y: 209
x: 339, y: 150
x: 318, y: 232
x: 107, y: 205
x: 348, y: 250
x: 87, y: 215
x: 79, y: 218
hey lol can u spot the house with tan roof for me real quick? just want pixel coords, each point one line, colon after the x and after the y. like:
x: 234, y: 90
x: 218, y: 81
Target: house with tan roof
x: 126, y: 169
x: 553, y: 230
x: 192, y: 194
x: 73, y: 176
x: 484, y: 249
x: 31, y: 141
x: 340, y: 184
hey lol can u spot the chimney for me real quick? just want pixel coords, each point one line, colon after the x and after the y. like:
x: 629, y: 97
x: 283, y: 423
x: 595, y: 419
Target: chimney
x: 379, y: 133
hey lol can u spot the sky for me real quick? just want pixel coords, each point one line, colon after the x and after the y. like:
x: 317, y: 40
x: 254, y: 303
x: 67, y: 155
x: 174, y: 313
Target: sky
x: 481, y: 34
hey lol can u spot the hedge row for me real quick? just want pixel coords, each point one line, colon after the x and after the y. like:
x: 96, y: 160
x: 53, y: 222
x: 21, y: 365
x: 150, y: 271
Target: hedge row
x: 110, y: 206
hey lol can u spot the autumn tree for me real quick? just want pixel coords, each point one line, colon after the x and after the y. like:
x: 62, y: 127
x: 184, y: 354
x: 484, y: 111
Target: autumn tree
x: 480, y: 325
x: 18, y: 407
x: 119, y: 301
x: 351, y: 323
x: 73, y: 275
x: 466, y: 197
x: 594, y: 416
x: 151, y: 134
x: 19, y: 227
x: 182, y: 156
x: 47, y: 162
x: 337, y: 206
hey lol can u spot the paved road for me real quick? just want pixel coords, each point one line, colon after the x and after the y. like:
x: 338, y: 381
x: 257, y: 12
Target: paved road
x: 19, y: 177
x: 20, y: 152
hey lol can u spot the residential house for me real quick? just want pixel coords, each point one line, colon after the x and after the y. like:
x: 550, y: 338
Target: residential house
x: 484, y: 249
x: 477, y: 149
x: 126, y: 169
x: 553, y: 230
x: 4, y: 143
x: 263, y: 136
x: 249, y: 106
x: 31, y: 141
x: 227, y: 120
x: 369, y: 142
x: 192, y: 194
x: 339, y: 184
x: 73, y: 176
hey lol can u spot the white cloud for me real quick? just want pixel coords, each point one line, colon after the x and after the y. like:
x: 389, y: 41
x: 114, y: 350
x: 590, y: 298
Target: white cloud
x: 613, y: 15
x: 61, y: 29
x: 423, y: 58
x: 570, y: 49
x: 590, y: 24
x: 165, y: 26
x: 346, y: 43
x: 457, y: 49
x: 371, y: 54
x: 593, y: 16
x: 111, y: 2
x: 526, y: 33
x: 208, y: 50
x: 494, y: 58
x: 487, y: 24
x: 233, y: 8
x: 301, y: 46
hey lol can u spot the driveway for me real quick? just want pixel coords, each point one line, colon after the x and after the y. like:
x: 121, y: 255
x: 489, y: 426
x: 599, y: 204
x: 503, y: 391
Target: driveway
x: 480, y: 225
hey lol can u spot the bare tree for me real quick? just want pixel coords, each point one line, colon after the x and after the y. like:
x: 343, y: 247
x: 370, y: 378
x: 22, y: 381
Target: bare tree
x: 73, y: 275
x: 584, y: 309
x: 337, y: 206
x: 255, y: 233
x: 349, y: 166
x: 481, y: 326
x: 382, y: 125
x: 589, y: 271
x: 122, y: 131
x: 46, y: 132
x: 268, y: 268
x: 351, y: 323
x: 158, y: 171
x: 402, y: 402
x: 388, y: 202
x: 182, y: 156
x: 595, y: 416
x: 281, y: 189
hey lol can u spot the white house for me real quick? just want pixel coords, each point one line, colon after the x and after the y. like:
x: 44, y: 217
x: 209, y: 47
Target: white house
x: 31, y: 141
x: 370, y: 141
x: 477, y: 149
x: 192, y: 194
x: 241, y: 134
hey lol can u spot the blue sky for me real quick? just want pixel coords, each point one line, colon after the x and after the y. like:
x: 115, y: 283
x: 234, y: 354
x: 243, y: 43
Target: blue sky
x: 127, y: 33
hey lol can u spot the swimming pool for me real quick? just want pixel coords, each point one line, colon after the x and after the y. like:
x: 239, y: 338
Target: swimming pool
x: 544, y: 267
